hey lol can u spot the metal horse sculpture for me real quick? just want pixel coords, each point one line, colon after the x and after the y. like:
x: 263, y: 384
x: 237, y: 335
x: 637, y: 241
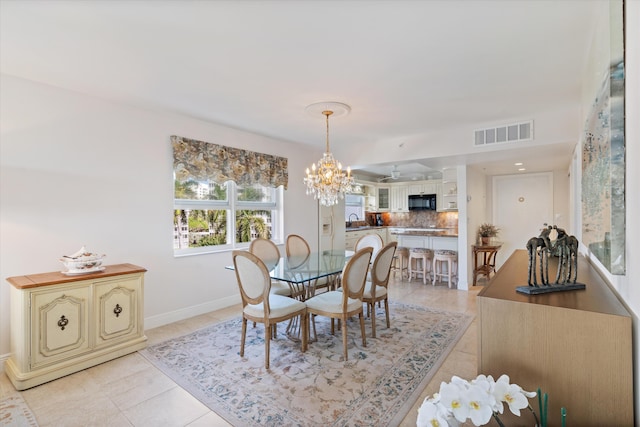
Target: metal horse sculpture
x: 536, y: 246
x: 565, y: 247
x: 539, y: 247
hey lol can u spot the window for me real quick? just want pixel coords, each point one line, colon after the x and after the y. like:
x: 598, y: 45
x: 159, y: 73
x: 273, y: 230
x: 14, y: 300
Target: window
x: 212, y: 217
x: 224, y: 197
x: 354, y: 204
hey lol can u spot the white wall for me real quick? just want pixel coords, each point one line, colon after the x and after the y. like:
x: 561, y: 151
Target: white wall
x: 77, y: 170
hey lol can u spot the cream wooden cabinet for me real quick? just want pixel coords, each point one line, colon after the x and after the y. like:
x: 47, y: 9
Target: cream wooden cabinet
x: 62, y: 324
x: 423, y: 187
x: 370, y: 197
x: 400, y: 198
x: 351, y: 237
x: 383, y: 199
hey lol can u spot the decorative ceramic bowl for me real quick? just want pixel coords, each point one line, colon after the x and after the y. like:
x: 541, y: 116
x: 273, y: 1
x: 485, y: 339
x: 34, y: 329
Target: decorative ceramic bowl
x: 83, y: 263
x: 82, y: 260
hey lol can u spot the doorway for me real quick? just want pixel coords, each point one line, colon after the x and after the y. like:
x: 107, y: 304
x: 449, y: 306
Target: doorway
x: 522, y: 204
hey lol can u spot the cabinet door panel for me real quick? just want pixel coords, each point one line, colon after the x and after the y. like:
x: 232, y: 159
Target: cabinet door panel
x: 61, y: 325
x: 116, y: 304
x: 449, y: 243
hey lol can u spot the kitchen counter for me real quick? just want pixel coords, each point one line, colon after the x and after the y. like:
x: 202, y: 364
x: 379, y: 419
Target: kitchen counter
x: 364, y: 227
x: 408, y: 231
x: 436, y: 232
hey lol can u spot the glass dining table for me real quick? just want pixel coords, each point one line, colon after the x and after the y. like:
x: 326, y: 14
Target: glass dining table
x: 304, y: 273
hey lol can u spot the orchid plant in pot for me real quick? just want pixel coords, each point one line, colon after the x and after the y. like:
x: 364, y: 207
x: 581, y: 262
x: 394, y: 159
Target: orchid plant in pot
x: 478, y: 400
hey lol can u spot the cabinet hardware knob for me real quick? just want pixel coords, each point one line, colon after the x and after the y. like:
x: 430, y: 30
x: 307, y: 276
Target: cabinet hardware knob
x: 63, y: 322
x: 117, y: 310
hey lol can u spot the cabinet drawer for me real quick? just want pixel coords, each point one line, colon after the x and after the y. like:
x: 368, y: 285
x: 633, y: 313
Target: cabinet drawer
x: 117, y: 310
x: 59, y: 320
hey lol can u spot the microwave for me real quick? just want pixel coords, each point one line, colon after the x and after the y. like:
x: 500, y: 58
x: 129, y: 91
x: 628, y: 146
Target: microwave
x: 423, y: 202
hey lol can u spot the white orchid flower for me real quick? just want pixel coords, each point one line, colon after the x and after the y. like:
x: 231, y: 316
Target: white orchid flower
x: 452, y: 397
x: 512, y: 394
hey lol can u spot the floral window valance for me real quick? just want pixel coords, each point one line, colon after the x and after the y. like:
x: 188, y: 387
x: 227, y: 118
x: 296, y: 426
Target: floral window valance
x: 200, y: 160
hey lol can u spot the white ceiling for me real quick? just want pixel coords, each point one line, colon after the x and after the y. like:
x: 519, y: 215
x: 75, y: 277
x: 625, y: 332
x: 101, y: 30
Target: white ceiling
x: 404, y: 67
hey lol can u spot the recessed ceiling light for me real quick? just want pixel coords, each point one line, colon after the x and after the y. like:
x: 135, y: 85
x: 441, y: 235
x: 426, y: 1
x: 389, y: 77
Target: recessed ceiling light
x: 518, y: 164
x: 521, y: 169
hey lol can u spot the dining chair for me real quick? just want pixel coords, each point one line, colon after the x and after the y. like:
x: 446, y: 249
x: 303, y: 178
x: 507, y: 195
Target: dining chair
x: 373, y: 240
x: 261, y: 306
x: 375, y: 290
x: 268, y: 252
x: 297, y: 246
x: 347, y: 303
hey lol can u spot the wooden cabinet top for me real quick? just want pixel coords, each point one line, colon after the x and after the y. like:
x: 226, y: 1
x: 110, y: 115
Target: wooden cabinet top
x: 597, y: 297
x: 56, y: 277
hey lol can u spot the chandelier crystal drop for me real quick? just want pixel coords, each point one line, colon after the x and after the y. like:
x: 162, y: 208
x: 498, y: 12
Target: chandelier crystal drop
x: 327, y: 181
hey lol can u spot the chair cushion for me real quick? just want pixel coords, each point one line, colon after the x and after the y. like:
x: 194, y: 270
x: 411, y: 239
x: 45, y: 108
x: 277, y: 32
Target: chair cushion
x: 380, y: 290
x: 279, y: 288
x: 331, y: 302
x: 280, y: 306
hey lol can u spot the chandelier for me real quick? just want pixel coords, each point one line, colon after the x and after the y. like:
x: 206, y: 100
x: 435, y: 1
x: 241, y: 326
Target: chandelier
x: 327, y: 181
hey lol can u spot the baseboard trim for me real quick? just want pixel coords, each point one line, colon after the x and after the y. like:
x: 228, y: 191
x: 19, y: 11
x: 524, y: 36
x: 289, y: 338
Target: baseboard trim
x: 3, y: 360
x: 185, y: 313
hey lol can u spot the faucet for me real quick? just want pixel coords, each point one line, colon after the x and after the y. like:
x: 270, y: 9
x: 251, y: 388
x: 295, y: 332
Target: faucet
x: 349, y: 223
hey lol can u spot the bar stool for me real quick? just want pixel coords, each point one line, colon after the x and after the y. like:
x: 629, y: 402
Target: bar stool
x: 401, y: 262
x: 424, y: 256
x: 440, y: 257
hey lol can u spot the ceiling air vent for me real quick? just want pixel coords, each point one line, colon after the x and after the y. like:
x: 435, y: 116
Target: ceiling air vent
x: 514, y: 132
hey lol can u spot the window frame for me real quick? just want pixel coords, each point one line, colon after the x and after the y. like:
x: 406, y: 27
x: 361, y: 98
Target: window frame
x: 231, y: 206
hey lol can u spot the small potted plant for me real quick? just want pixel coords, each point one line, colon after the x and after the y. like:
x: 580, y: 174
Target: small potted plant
x: 486, y: 232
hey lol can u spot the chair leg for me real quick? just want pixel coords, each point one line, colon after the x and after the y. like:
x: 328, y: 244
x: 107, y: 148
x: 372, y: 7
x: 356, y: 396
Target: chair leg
x: 267, y: 345
x: 364, y: 337
x: 373, y: 320
x: 344, y: 338
x: 305, y: 331
x: 244, y: 333
x: 313, y: 321
x: 386, y: 310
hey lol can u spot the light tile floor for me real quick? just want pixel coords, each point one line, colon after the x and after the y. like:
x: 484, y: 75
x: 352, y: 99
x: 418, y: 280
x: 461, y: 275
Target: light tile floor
x: 129, y: 391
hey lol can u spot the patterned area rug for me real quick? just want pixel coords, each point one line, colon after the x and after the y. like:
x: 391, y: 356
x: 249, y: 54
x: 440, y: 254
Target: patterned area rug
x: 14, y: 412
x: 378, y: 385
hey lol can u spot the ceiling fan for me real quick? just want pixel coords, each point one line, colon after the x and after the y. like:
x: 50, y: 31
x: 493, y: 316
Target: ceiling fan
x: 395, y: 174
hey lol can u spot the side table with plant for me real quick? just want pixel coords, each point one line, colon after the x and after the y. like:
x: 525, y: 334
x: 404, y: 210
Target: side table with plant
x: 486, y: 231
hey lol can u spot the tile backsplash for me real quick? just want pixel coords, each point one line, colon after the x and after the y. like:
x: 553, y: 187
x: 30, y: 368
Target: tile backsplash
x: 420, y: 219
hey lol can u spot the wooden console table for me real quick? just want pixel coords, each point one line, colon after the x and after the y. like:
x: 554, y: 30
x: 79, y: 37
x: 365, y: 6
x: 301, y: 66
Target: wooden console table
x: 62, y: 324
x: 488, y: 255
x: 575, y: 345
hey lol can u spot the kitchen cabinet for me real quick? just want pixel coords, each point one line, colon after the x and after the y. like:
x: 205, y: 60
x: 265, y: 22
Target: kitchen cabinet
x: 351, y: 237
x: 384, y: 198
x: 370, y: 198
x: 429, y: 242
x: 414, y: 241
x: 448, y: 243
x: 400, y: 198
x: 416, y: 189
x: 423, y: 187
x: 63, y: 324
